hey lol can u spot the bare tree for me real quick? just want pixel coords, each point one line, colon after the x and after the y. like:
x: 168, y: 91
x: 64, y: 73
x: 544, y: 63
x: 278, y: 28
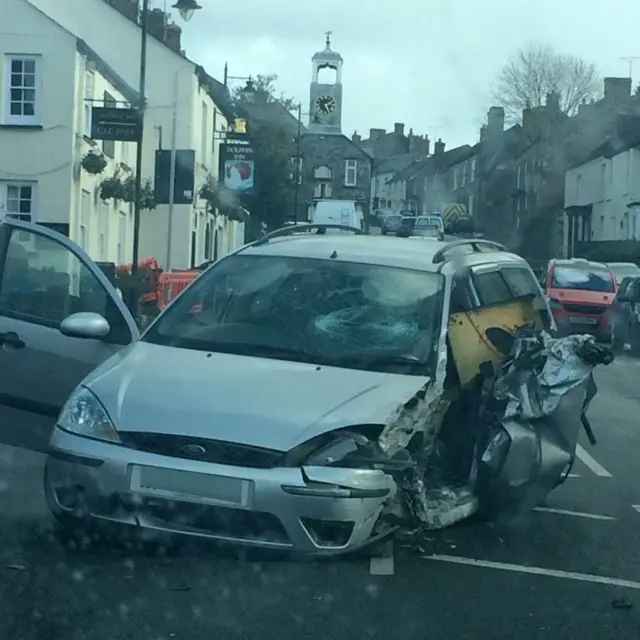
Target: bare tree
x: 537, y: 70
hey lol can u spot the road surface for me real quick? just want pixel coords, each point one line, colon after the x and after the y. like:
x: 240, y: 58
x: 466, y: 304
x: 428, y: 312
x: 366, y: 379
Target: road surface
x: 570, y: 569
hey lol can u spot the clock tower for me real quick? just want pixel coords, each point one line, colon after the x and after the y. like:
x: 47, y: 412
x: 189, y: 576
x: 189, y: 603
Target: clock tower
x: 325, y: 101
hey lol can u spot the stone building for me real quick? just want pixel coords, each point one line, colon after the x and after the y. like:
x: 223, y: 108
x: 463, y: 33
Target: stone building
x: 332, y: 165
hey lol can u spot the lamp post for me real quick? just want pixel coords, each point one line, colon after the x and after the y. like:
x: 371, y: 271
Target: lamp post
x: 297, y: 186
x: 186, y: 9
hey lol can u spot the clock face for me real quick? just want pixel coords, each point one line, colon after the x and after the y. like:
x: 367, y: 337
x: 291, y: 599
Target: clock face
x: 325, y: 105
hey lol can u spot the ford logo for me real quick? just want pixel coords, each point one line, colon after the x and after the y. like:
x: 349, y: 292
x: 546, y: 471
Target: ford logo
x: 194, y: 450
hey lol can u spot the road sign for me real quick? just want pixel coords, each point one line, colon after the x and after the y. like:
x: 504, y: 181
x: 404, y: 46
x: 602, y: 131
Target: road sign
x: 112, y: 123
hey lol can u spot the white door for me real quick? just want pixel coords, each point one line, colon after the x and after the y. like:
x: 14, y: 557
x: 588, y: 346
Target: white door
x: 44, y: 278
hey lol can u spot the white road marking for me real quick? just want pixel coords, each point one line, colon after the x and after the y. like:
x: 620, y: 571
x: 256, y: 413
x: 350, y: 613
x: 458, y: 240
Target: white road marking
x: 538, y: 571
x: 574, y: 475
x: 382, y: 565
x: 636, y: 507
x: 593, y: 464
x: 580, y: 514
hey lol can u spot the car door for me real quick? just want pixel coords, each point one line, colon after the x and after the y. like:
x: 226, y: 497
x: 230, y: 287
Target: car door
x: 44, y: 278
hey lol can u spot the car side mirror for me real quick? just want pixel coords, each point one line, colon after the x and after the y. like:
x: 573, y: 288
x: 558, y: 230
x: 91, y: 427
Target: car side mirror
x: 86, y: 325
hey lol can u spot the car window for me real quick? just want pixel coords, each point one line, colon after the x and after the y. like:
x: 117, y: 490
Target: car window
x: 43, y: 282
x: 320, y: 311
x: 582, y: 277
x: 521, y: 282
x: 492, y: 288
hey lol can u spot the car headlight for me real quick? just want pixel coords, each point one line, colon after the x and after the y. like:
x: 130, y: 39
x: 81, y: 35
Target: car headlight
x: 84, y: 415
x: 347, y: 450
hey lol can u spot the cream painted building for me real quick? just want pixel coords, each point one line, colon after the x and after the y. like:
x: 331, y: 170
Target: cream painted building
x: 59, y: 59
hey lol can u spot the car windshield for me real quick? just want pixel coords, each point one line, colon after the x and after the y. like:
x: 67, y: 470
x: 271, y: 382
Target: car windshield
x: 326, y: 312
x: 587, y: 277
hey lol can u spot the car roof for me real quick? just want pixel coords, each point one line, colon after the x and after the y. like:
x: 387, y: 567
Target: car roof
x: 573, y: 262
x: 373, y: 249
x: 624, y: 264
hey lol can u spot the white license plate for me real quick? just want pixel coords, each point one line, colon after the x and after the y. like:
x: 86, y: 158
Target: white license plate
x: 582, y: 320
x: 174, y: 484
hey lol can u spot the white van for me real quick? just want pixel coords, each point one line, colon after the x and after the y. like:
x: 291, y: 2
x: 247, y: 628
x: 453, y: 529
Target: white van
x: 344, y: 212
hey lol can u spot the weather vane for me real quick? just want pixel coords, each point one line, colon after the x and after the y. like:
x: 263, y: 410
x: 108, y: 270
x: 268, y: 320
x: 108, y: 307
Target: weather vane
x: 328, y: 40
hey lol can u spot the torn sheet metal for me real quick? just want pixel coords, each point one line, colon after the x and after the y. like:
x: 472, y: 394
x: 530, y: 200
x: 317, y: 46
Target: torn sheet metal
x: 520, y: 431
x: 540, y: 399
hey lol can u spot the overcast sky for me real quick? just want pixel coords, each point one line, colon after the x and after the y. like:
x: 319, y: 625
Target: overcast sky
x: 427, y: 63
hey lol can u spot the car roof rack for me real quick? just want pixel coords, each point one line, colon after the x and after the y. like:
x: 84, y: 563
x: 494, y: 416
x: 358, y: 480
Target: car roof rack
x: 290, y: 230
x: 474, y: 243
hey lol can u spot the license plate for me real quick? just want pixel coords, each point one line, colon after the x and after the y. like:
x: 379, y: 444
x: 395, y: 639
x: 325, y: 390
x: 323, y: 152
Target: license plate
x: 582, y: 320
x: 174, y: 484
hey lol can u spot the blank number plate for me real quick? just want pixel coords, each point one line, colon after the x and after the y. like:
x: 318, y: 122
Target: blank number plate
x: 174, y: 484
x: 582, y: 320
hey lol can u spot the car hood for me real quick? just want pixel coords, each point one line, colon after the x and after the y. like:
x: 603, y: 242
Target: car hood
x: 578, y: 296
x: 262, y: 402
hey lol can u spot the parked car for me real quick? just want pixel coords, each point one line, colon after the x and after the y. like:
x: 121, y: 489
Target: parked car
x: 580, y: 293
x: 390, y: 223
x: 625, y: 311
x: 622, y: 270
x: 262, y: 406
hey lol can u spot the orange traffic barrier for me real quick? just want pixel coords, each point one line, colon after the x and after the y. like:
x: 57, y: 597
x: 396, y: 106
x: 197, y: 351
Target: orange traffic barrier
x: 171, y: 284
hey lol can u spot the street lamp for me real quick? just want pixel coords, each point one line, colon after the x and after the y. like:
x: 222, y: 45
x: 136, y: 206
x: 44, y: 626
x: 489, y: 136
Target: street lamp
x: 249, y: 91
x: 186, y: 8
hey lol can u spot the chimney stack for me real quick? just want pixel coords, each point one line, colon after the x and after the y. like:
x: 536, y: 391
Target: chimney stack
x: 157, y: 24
x: 356, y: 137
x: 438, y: 147
x: 128, y: 8
x: 398, y: 128
x: 495, y: 121
x: 374, y: 134
x: 173, y: 37
x: 617, y: 89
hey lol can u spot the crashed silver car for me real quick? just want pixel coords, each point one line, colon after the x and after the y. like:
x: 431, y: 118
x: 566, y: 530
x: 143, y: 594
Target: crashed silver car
x: 309, y: 392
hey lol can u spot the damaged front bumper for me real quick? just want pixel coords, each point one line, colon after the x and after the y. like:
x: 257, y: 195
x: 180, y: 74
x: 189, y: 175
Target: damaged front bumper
x: 520, y: 431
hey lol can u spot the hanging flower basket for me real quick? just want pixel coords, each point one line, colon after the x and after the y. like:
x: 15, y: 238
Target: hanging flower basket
x: 111, y: 189
x: 93, y: 163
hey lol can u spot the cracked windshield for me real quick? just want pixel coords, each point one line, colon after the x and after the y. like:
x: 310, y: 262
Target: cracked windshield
x: 317, y: 320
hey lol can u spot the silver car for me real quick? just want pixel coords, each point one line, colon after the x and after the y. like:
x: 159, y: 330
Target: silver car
x: 246, y: 411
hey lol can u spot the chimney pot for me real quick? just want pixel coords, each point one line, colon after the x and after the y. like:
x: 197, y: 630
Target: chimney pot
x: 398, y: 128
x: 438, y: 147
x: 495, y: 121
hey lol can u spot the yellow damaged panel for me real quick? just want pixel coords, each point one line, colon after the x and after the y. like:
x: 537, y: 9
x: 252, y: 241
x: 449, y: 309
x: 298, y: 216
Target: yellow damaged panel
x: 469, y: 343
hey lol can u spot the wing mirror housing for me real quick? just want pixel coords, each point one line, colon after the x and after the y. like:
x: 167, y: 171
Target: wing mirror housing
x: 88, y: 325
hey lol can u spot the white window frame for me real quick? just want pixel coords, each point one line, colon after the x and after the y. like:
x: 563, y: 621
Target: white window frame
x: 5, y: 184
x: 350, y: 173
x: 85, y: 218
x: 89, y: 95
x: 22, y: 120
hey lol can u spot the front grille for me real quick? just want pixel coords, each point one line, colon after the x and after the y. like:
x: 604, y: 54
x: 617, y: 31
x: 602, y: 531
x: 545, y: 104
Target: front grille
x: 579, y: 308
x: 216, y: 451
x: 222, y: 521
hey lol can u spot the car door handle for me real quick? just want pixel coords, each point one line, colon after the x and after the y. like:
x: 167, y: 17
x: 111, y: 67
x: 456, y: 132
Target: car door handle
x: 12, y: 339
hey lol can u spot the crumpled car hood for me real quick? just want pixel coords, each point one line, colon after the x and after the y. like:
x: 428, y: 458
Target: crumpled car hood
x: 261, y: 402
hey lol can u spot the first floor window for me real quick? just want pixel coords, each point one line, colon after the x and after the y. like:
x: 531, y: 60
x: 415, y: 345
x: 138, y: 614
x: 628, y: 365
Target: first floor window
x: 17, y: 200
x: 351, y: 173
x: 21, y: 90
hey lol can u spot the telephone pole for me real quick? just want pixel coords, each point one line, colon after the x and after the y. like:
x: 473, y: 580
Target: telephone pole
x: 631, y: 60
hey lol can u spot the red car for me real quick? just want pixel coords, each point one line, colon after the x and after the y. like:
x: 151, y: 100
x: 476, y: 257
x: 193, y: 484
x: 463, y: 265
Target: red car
x: 580, y: 294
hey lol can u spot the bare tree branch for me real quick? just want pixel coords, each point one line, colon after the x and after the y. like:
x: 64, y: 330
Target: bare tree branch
x: 537, y: 70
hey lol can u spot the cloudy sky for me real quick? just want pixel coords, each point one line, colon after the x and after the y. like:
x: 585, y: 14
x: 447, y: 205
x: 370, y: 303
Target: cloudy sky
x: 427, y: 63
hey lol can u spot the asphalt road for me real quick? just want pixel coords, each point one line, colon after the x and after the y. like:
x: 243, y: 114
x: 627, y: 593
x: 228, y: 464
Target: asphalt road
x: 569, y: 570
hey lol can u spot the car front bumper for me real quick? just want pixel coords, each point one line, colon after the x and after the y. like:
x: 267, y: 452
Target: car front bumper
x: 309, y: 510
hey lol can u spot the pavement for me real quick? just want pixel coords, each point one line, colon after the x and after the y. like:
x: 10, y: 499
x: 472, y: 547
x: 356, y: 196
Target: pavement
x: 569, y: 569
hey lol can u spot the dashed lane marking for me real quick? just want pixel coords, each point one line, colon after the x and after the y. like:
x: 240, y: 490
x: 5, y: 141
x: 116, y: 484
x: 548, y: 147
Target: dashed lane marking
x: 636, y: 507
x: 579, y: 514
x: 592, y: 463
x: 383, y: 564
x: 538, y: 571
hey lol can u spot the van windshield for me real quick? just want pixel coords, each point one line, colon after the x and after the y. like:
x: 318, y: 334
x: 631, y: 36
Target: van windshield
x: 587, y: 277
x: 325, y: 312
